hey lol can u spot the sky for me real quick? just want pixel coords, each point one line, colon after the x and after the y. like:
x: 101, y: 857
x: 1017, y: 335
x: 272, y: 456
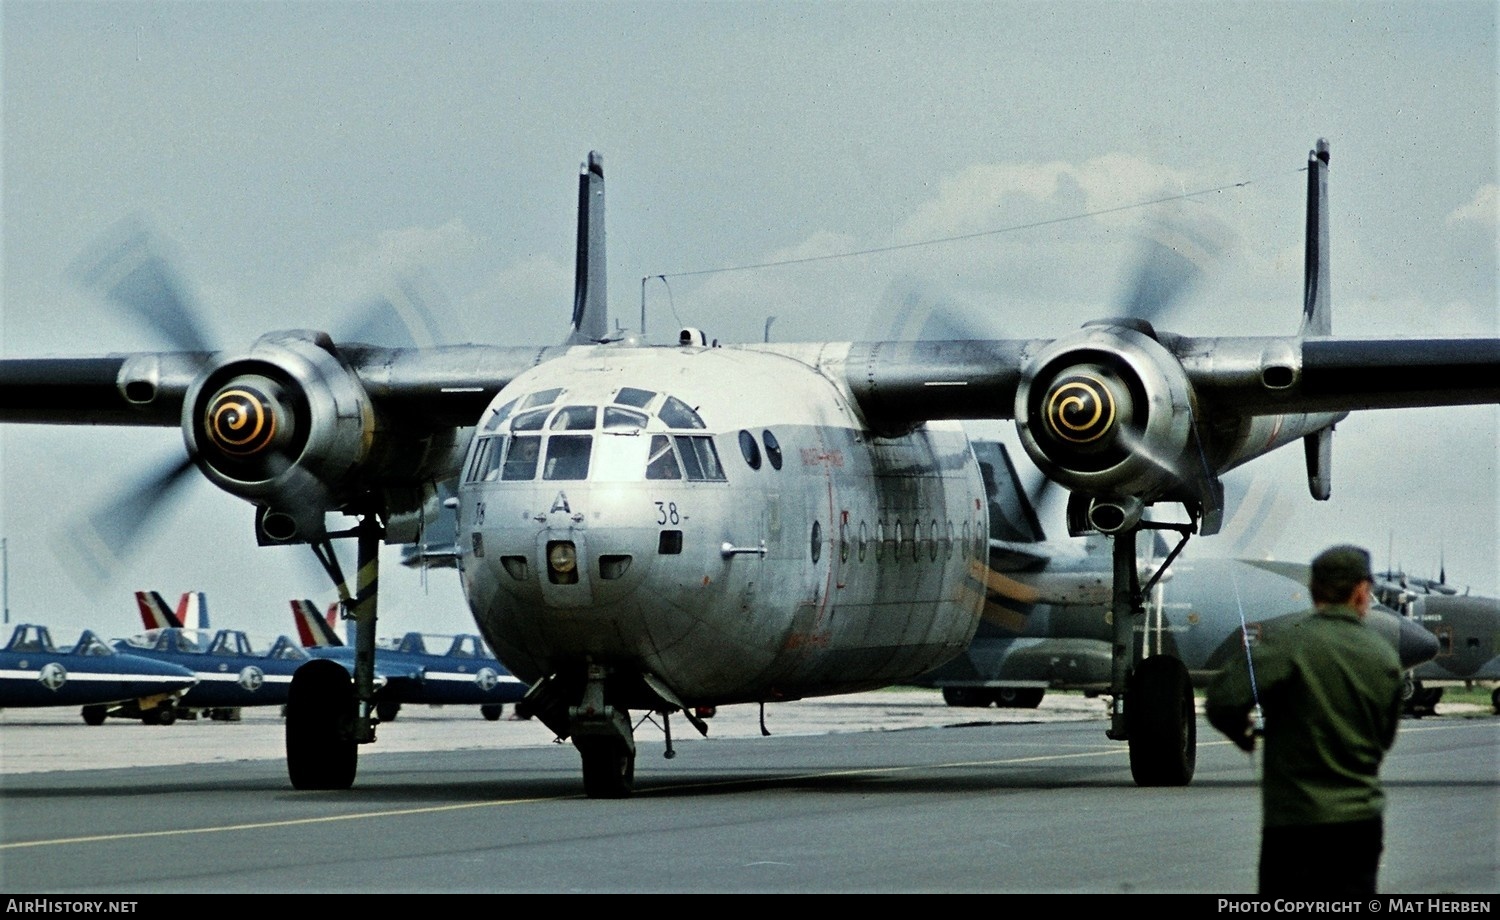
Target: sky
x: 300, y: 156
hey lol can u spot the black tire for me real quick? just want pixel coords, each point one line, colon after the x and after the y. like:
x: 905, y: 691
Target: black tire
x: 608, y: 768
x: 1495, y: 700
x: 492, y: 711
x: 1019, y: 697
x: 321, y: 752
x: 165, y: 715
x: 965, y: 696
x: 95, y: 715
x: 387, y: 712
x: 1162, y: 723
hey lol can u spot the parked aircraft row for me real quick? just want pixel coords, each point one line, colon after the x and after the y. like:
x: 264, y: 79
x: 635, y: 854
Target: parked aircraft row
x: 661, y: 528
x: 91, y: 674
x: 181, y: 671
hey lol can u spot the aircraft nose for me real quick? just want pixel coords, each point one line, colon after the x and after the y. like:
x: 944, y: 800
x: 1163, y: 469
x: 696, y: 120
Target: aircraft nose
x: 1415, y: 644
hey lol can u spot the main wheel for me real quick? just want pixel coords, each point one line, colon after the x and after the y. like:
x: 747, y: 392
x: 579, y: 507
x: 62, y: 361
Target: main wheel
x: 965, y: 696
x: 166, y: 715
x: 492, y: 711
x: 1162, y: 723
x: 321, y: 752
x: 386, y: 712
x: 95, y: 715
x: 608, y: 768
x: 1495, y: 700
x: 1019, y: 697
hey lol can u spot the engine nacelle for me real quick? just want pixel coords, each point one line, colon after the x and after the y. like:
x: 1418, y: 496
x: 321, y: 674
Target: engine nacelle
x: 285, y: 426
x: 1108, y: 412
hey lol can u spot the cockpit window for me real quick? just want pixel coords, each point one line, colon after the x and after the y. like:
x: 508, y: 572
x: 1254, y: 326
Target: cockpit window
x: 184, y: 642
x: 520, y: 460
x: 699, y: 457
x: 284, y: 650
x: 574, y: 418
x: 662, y: 462
x: 633, y: 396
x: 542, y: 432
x: 229, y: 643
x: 92, y: 646
x: 485, y: 467
x: 568, y: 456
x: 623, y: 419
x: 494, y: 422
x: 31, y: 639
x: 541, y: 398
x: 678, y: 414
x: 529, y: 421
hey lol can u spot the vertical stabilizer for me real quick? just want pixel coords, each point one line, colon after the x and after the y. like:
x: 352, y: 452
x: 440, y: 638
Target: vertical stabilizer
x: 1317, y: 314
x: 312, y: 630
x: 192, y: 610
x: 1317, y: 318
x: 155, y: 614
x: 590, y: 310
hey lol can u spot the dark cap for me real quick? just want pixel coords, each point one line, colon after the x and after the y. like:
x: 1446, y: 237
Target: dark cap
x: 1341, y: 565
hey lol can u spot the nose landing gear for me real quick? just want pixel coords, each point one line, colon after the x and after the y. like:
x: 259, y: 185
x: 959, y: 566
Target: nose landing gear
x: 604, y: 740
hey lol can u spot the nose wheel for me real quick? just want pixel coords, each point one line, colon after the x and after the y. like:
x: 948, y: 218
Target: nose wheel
x: 608, y: 767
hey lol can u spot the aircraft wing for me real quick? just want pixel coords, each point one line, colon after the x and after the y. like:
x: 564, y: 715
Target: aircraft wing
x: 445, y: 385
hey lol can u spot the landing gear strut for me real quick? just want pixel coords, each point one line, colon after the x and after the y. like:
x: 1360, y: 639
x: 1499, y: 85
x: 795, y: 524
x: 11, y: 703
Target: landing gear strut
x: 1154, y: 707
x: 604, y: 740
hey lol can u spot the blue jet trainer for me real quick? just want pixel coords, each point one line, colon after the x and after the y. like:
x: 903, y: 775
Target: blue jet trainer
x: 34, y: 672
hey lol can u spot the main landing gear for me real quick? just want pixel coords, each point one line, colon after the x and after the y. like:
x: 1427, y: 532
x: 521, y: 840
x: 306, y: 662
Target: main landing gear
x: 1154, y: 708
x: 330, y: 712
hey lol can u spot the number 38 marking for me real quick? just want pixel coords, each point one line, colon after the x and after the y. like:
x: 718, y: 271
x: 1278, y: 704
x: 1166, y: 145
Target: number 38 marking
x: 666, y: 513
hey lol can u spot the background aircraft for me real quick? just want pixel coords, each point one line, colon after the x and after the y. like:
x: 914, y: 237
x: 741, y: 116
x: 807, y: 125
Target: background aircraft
x: 1046, y: 615
x: 1467, y: 628
x: 465, y: 673
x: 232, y: 670
x: 34, y: 672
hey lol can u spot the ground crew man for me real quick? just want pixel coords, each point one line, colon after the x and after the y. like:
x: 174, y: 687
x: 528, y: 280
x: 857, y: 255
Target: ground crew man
x: 1329, y: 691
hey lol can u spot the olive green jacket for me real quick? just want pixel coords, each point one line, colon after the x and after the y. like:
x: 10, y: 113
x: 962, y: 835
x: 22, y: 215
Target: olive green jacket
x: 1330, y: 691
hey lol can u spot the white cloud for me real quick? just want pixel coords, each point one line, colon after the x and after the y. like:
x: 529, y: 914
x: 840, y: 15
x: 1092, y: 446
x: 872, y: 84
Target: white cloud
x: 1483, y: 210
x: 360, y: 266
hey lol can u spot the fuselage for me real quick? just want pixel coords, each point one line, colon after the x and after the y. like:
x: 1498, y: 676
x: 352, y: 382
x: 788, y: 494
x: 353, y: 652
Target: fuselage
x: 717, y: 520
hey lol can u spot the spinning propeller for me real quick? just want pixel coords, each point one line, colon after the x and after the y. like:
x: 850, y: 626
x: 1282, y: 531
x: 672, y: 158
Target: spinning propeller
x: 250, y: 421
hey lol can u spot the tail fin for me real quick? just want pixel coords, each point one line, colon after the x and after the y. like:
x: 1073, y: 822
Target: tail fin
x: 312, y: 630
x: 192, y: 610
x: 1012, y: 517
x: 1317, y: 314
x: 155, y: 614
x: 332, y: 619
x: 590, y: 307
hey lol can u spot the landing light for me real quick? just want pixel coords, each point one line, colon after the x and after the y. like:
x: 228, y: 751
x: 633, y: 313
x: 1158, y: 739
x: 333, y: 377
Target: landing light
x: 562, y: 562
